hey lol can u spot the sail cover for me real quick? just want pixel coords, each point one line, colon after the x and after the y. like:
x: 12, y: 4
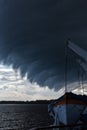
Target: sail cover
x: 80, y: 52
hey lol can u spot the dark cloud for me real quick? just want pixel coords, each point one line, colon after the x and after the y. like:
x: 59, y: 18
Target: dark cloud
x: 33, y: 34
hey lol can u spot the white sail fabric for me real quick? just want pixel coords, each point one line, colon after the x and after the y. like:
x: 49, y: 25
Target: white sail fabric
x: 80, y: 52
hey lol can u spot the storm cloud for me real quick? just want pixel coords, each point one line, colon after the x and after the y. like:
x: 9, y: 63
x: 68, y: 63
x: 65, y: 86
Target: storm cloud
x: 33, y: 34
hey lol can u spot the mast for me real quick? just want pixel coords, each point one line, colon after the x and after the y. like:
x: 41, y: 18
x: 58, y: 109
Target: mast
x: 66, y: 64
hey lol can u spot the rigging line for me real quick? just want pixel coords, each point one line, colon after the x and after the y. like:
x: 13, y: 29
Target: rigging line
x: 82, y: 83
x: 85, y: 82
x: 71, y: 65
x: 78, y: 73
x: 66, y: 60
x: 80, y: 78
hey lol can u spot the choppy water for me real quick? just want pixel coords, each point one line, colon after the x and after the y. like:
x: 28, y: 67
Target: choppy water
x: 23, y: 116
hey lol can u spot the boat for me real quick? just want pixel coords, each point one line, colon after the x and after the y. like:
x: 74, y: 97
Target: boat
x: 71, y: 108
x: 69, y: 111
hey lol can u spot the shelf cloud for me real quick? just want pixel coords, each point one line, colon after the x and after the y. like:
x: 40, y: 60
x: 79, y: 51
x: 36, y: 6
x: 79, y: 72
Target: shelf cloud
x: 33, y: 34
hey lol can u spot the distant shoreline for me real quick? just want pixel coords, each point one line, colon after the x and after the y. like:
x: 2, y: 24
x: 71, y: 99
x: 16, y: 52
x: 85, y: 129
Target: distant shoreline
x: 27, y: 102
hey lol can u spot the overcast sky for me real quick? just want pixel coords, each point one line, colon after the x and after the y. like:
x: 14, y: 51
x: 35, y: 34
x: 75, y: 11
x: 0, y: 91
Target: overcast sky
x: 32, y: 41
x: 13, y: 87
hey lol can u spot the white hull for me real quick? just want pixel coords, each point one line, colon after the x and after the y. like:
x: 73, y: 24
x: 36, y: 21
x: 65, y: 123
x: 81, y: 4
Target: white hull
x: 68, y: 114
x: 69, y: 110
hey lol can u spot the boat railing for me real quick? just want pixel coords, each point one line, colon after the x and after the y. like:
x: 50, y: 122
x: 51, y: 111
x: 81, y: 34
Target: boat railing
x: 64, y: 127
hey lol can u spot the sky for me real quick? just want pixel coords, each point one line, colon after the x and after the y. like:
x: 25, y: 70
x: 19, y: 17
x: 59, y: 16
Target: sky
x: 15, y: 88
x: 32, y: 42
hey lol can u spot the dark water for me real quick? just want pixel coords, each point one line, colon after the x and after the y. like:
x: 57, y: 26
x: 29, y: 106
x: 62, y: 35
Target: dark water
x: 23, y: 116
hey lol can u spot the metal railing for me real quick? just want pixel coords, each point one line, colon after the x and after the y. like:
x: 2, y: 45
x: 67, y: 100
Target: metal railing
x: 62, y: 126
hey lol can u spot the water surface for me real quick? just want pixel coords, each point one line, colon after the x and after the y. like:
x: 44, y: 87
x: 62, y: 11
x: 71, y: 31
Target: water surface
x: 23, y: 116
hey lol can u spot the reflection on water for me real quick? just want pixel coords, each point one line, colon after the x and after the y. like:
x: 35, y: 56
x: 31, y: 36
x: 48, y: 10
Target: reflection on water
x: 23, y: 116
